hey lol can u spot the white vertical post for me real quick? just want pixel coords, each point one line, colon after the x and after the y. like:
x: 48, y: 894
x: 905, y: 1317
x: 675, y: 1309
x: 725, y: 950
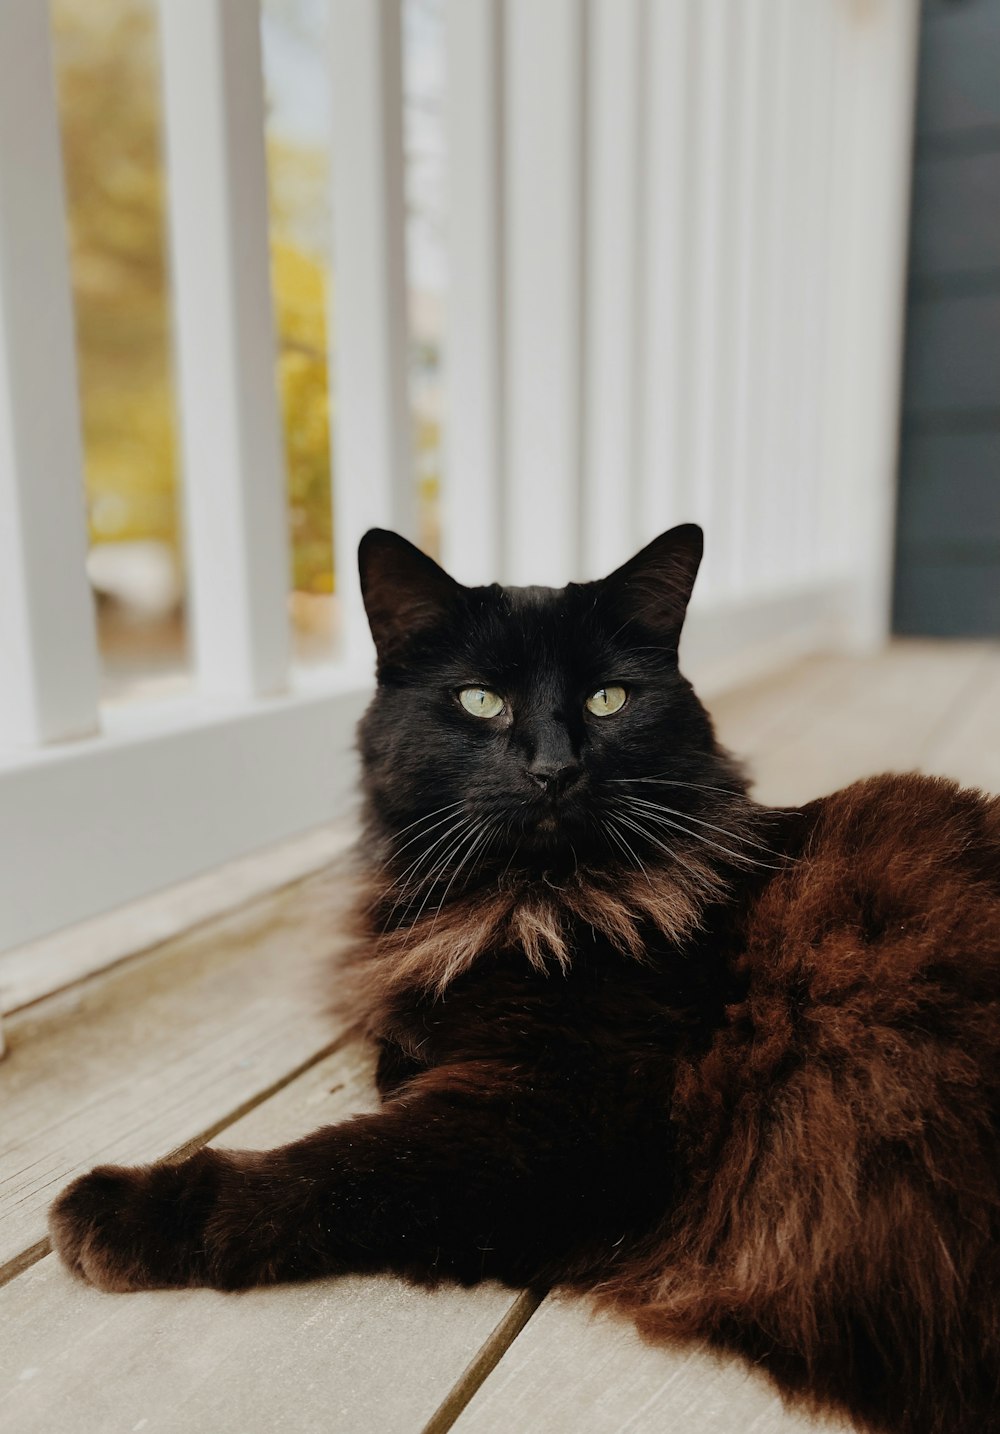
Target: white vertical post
x: 374, y: 482
x: 876, y: 74
x: 615, y: 163
x: 786, y: 379
x: 713, y: 263
x: 234, y: 488
x: 665, y: 356
x: 48, y: 657
x: 472, y: 497
x: 544, y: 65
x: 812, y: 124
x: 770, y: 534
x: 747, y: 238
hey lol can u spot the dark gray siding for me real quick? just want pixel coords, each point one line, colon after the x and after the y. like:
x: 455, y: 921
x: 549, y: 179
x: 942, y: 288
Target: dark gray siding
x: 948, y: 533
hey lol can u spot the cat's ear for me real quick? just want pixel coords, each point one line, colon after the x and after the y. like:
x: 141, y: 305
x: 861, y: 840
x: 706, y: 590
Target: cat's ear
x: 404, y: 591
x: 654, y: 587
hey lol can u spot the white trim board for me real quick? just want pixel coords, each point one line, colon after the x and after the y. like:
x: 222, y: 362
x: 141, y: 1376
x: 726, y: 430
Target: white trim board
x: 63, y: 959
x: 174, y: 792
x: 727, y: 644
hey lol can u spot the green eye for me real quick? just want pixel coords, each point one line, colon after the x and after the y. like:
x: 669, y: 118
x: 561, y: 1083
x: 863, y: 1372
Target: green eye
x: 481, y: 702
x: 606, y: 701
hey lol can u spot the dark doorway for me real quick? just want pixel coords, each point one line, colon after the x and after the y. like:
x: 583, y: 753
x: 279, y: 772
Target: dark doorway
x: 948, y: 524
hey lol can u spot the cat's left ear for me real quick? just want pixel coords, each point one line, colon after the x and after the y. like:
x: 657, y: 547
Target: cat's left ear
x: 404, y: 591
x: 654, y: 588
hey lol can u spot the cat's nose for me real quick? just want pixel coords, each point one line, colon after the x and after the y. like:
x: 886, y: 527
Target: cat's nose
x: 554, y: 778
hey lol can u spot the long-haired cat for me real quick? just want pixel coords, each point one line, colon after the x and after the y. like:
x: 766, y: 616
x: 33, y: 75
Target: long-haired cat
x: 734, y: 1070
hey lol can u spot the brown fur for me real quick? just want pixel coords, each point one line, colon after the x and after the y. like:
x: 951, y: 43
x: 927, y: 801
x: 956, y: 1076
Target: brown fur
x: 843, y: 1201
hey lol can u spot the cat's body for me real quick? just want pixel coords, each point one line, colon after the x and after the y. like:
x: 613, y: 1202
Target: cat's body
x: 737, y: 1071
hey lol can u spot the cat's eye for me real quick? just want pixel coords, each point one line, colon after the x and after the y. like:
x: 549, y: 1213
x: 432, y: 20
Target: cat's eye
x: 480, y: 701
x: 606, y: 701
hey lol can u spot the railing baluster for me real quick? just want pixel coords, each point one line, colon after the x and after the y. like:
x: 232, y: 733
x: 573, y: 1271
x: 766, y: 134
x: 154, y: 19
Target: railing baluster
x: 874, y: 87
x: 615, y: 152
x: 774, y: 535
x: 713, y: 262
x: 234, y: 487
x: 814, y: 70
x: 544, y: 59
x: 374, y: 481
x: 471, y: 501
x: 748, y: 243
x: 48, y: 654
x: 664, y: 391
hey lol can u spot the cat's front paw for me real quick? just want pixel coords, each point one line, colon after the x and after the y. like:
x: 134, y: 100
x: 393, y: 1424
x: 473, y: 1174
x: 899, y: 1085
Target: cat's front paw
x: 137, y: 1228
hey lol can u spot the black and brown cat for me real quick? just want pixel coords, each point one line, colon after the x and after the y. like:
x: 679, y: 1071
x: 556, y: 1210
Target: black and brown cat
x: 735, y: 1070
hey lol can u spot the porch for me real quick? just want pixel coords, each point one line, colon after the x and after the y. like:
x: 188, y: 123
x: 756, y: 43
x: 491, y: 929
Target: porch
x: 218, y: 1033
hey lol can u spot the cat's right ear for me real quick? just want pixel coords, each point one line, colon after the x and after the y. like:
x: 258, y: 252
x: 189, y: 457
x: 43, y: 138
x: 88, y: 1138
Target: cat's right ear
x: 404, y: 591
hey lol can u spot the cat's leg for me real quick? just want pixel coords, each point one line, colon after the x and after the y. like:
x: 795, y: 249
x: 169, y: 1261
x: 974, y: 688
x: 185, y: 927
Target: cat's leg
x: 462, y: 1177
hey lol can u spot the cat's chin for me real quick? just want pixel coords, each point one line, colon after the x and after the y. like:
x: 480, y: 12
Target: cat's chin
x: 551, y: 843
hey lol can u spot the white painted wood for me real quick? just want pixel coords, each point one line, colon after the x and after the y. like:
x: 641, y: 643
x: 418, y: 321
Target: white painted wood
x: 171, y: 790
x: 615, y: 163
x: 711, y: 361
x: 48, y: 658
x: 772, y: 538
x: 31, y: 972
x: 471, y: 531
x: 234, y: 482
x: 544, y: 75
x: 875, y: 83
x: 814, y: 124
x: 747, y: 238
x: 374, y: 481
x: 666, y: 243
x: 730, y: 641
x: 802, y: 166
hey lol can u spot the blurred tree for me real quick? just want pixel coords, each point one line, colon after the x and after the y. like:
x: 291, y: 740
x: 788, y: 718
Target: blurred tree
x: 300, y: 303
x: 107, y: 65
x: 107, y: 71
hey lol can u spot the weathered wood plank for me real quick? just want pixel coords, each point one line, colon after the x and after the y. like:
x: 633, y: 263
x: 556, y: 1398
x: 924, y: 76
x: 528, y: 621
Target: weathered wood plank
x: 160, y: 1051
x: 572, y: 1370
x: 968, y: 747
x: 355, y: 1354
x: 41, y: 968
x: 863, y: 715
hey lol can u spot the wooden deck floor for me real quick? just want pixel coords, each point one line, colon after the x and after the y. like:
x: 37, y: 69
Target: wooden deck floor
x: 220, y: 1034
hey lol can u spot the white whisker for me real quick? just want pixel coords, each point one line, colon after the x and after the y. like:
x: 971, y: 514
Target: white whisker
x: 700, y: 821
x: 657, y: 820
x: 625, y: 846
x: 632, y: 824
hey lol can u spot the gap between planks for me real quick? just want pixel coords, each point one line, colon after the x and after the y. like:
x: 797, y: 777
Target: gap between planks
x: 482, y: 1366
x: 19, y: 1263
x: 358, y: 1353
x: 163, y: 1051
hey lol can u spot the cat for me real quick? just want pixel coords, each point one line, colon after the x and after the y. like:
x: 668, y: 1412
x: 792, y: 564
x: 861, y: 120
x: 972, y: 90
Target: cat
x: 732, y: 1070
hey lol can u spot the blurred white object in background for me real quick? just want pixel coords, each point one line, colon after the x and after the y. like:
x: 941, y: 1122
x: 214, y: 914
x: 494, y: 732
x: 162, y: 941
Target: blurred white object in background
x: 142, y: 577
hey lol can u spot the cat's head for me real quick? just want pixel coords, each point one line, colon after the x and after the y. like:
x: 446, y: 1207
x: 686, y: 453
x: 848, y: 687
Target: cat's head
x: 528, y: 732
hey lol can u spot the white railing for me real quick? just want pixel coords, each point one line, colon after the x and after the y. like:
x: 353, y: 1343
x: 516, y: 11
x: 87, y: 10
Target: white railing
x: 676, y: 267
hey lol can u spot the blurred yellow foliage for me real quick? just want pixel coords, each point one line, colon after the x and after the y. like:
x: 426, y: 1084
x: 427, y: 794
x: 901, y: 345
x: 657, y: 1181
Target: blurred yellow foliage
x: 300, y: 307
x: 107, y: 66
